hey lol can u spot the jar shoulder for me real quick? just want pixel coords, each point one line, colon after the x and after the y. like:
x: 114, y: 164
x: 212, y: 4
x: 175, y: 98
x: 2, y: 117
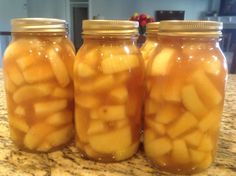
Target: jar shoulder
x: 38, y: 46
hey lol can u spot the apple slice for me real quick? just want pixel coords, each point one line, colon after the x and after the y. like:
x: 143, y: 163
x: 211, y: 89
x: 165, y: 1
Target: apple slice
x: 213, y: 66
x: 185, y: 122
x: 121, y: 123
x: 100, y: 84
x: 96, y: 126
x: 58, y: 67
x: 206, y: 162
x: 112, y: 112
x: 126, y: 152
x: 206, y: 89
x: 122, y: 77
x: 87, y: 100
x: 9, y: 85
x: 30, y: 92
x: 150, y: 107
x: 192, y: 101
x: 158, y: 147
x: 94, y: 114
x: 85, y: 71
x: 15, y: 75
x: 18, y: 123
x: 104, y: 83
x: 172, y: 90
x: 60, y: 118
x: 49, y: 107
x: 157, y: 127
x: 60, y: 136
x: 20, y: 111
x: 194, y: 138
x: 162, y: 62
x: 59, y: 92
x: 119, y: 94
x: 44, y: 147
x: 180, y: 153
x: 91, y: 57
x: 210, y: 120
x: 36, y: 135
x: 112, y: 141
x: 119, y: 63
x: 196, y: 156
x: 168, y: 113
x: 149, y: 135
x: 13, y: 50
x: 147, y: 48
x: 206, y: 144
x: 38, y: 73
x: 156, y: 93
x: 25, y: 62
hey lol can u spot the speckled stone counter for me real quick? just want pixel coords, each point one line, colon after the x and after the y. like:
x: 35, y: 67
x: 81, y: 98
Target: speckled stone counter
x: 66, y: 162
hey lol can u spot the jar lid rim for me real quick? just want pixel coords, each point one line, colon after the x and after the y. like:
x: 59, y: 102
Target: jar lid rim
x: 190, y: 27
x: 38, y: 25
x: 110, y: 27
x: 153, y: 27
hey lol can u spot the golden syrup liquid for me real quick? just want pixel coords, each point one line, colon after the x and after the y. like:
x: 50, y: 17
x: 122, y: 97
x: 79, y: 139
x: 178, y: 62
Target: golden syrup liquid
x: 185, y: 86
x: 108, y: 79
x: 39, y: 89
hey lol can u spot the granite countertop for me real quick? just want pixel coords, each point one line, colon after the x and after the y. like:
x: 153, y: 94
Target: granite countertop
x: 67, y: 162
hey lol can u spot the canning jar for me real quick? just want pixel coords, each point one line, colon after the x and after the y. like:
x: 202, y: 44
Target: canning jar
x: 151, y: 42
x: 108, y: 79
x: 184, y: 98
x: 38, y: 76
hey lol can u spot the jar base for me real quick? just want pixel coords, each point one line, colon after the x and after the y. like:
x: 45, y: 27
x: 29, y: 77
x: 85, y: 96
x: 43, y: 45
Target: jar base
x: 178, y: 171
x: 53, y: 149
x: 103, y: 159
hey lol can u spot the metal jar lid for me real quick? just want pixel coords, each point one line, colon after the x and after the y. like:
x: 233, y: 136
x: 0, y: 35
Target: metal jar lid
x: 38, y: 25
x: 190, y: 28
x: 153, y: 28
x: 110, y: 27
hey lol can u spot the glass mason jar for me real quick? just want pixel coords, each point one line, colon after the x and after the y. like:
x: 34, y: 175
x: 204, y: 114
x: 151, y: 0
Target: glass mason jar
x: 108, y: 79
x: 151, y: 42
x: 184, y: 98
x: 38, y: 77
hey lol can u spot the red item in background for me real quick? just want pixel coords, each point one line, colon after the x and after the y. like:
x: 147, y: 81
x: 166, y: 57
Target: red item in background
x: 143, y: 17
x: 143, y: 23
x: 151, y: 19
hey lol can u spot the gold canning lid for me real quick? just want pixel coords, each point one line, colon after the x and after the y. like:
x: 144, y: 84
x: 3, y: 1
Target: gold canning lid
x: 153, y: 28
x: 110, y: 27
x: 190, y: 28
x: 38, y: 25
